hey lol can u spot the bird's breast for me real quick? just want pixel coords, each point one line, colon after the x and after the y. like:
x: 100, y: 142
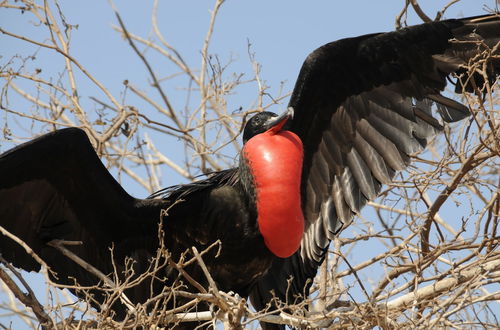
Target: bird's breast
x: 275, y: 161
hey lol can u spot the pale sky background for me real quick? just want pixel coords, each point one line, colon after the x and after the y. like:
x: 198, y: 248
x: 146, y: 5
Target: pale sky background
x: 282, y: 33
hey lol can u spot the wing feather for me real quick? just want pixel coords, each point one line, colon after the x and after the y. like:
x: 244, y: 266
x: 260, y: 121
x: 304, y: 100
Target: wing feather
x: 374, y: 160
x: 388, y: 150
x: 56, y: 187
x: 362, y: 108
x: 368, y: 185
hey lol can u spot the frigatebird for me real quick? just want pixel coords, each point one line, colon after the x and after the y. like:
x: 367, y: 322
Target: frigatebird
x: 360, y: 108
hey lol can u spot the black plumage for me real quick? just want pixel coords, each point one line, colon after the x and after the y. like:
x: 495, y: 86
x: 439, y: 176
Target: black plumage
x: 361, y: 106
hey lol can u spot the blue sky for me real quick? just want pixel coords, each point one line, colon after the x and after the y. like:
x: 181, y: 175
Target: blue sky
x: 282, y: 33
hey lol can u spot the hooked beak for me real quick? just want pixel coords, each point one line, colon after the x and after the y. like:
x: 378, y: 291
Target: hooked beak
x: 275, y: 124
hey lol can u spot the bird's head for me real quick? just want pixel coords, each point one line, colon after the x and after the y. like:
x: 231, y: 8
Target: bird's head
x: 265, y: 121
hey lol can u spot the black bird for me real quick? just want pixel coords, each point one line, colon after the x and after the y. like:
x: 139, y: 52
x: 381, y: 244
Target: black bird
x: 360, y: 107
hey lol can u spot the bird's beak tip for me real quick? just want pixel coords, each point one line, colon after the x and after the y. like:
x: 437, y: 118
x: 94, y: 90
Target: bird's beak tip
x: 277, y: 123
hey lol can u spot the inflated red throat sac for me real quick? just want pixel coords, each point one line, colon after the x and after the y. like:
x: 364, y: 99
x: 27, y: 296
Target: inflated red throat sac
x: 275, y: 160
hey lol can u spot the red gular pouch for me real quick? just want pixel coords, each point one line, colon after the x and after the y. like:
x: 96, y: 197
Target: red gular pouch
x: 275, y: 161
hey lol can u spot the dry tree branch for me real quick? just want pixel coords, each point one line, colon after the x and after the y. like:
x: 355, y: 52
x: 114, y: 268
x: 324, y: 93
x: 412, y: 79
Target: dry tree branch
x: 445, y: 8
x: 28, y: 299
x: 474, y: 160
x: 418, y: 10
x: 156, y: 83
x: 60, y: 245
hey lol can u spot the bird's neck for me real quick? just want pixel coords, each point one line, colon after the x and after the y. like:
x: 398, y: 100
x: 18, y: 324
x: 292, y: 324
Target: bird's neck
x: 274, y: 166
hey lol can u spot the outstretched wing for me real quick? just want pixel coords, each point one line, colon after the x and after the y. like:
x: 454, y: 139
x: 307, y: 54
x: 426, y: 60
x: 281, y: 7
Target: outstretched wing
x: 56, y: 187
x: 362, y: 106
